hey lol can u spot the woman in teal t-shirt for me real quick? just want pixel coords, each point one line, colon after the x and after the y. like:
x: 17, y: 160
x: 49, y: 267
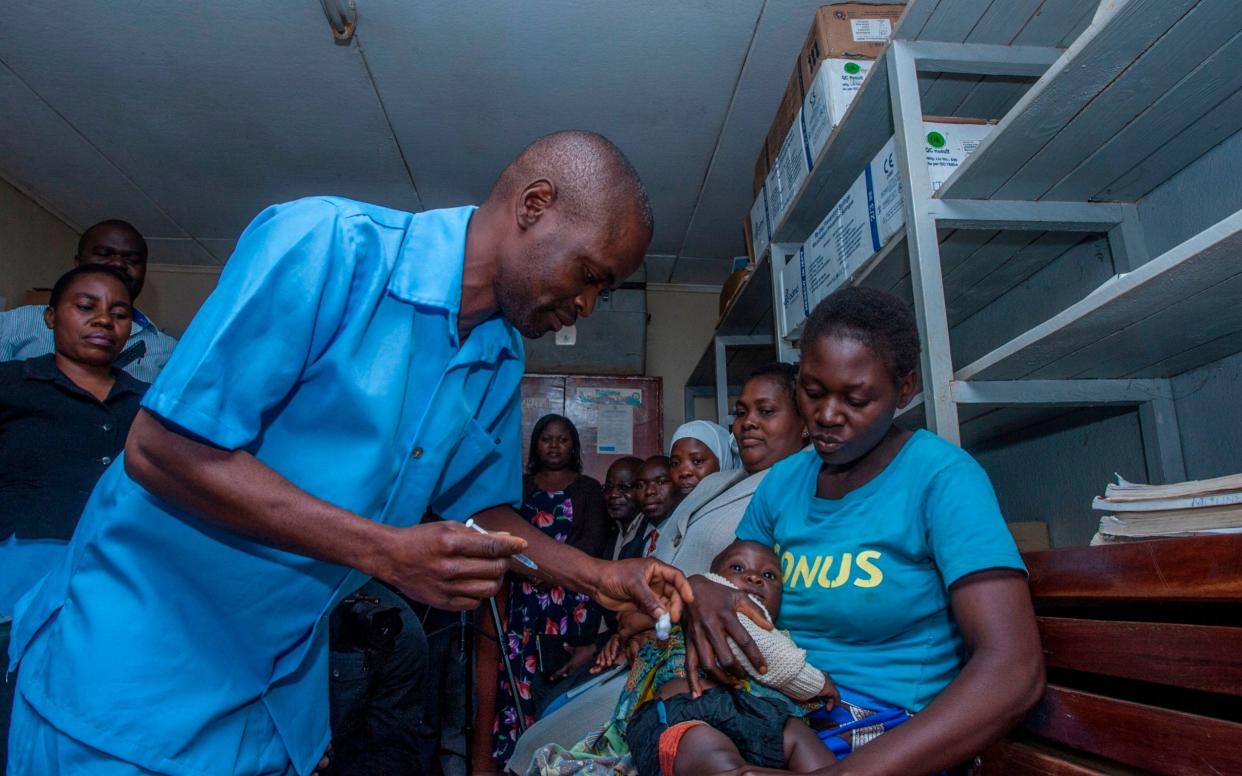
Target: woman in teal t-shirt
x: 901, y: 579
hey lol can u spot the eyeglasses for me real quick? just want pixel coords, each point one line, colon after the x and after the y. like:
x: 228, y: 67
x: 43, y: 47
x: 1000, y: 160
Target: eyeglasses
x: 657, y: 481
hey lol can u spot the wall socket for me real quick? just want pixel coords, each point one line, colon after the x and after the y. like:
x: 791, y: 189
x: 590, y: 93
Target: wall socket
x: 567, y: 335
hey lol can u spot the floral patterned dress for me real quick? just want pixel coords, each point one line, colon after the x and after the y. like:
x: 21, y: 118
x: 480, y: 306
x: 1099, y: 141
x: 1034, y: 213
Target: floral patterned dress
x: 538, y: 609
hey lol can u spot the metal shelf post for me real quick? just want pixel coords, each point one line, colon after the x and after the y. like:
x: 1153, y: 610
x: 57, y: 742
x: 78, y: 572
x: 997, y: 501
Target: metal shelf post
x: 928, y: 281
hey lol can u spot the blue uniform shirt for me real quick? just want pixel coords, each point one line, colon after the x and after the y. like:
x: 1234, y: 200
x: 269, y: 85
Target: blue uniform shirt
x: 329, y: 351
x: 867, y: 576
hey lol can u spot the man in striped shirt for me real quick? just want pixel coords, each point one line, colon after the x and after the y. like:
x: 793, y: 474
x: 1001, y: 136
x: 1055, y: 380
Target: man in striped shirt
x: 23, y: 333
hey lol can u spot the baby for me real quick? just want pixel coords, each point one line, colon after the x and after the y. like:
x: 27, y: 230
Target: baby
x: 671, y: 733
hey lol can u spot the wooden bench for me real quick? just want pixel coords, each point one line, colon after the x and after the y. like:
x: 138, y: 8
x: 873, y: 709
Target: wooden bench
x: 1143, y: 644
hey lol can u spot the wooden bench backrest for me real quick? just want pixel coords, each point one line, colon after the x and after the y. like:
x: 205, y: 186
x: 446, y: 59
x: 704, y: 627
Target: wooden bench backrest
x: 1143, y: 644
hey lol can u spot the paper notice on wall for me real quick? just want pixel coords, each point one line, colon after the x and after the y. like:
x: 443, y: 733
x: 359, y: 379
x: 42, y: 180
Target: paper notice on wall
x: 628, y: 396
x: 615, y: 434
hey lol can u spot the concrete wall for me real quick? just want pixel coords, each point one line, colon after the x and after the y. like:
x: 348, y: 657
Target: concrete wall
x: 1200, y: 195
x: 679, y: 325
x: 36, y: 247
x: 611, y: 342
x: 1209, y: 417
x: 1052, y: 472
x: 1208, y: 411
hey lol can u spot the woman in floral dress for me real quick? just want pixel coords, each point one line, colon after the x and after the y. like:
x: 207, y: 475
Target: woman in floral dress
x: 568, y: 506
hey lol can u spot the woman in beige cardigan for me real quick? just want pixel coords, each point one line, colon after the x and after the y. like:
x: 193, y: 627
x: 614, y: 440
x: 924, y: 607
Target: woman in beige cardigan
x: 767, y: 428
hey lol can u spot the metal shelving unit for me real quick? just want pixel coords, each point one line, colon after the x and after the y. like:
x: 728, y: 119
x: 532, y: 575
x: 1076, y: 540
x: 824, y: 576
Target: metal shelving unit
x: 1139, y: 95
x: 1029, y: 35
x: 743, y: 341
x: 1097, y: 106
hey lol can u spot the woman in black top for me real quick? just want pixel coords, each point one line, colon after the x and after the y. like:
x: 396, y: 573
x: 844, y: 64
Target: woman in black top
x: 64, y: 416
x: 63, y: 419
x: 555, y: 466
x: 558, y: 499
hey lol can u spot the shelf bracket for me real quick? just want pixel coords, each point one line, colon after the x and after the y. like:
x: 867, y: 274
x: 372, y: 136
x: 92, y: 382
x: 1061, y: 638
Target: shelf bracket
x: 981, y: 58
x: 1049, y: 216
x: 778, y: 256
x: 1162, y: 442
x: 689, y: 394
x: 1060, y: 393
x: 721, y: 345
x: 1127, y: 243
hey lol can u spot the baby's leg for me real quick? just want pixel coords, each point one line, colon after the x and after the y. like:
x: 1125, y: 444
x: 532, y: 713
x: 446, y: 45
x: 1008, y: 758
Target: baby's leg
x: 703, y: 750
x: 804, y: 752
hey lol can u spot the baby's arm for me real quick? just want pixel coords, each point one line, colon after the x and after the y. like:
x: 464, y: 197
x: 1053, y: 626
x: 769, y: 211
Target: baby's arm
x: 788, y: 669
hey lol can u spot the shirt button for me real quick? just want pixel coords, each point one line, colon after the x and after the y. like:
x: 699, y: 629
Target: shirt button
x: 107, y: 427
x: 105, y: 460
x: 418, y: 453
x: 677, y: 540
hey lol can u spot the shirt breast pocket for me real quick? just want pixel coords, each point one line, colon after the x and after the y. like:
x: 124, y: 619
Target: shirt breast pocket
x: 477, y: 475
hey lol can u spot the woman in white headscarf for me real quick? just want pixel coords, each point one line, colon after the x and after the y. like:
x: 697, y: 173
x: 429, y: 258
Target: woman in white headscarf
x: 700, y: 448
x: 768, y: 429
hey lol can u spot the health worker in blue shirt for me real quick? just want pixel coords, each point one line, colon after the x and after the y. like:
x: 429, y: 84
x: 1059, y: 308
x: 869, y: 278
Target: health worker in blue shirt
x: 355, y: 369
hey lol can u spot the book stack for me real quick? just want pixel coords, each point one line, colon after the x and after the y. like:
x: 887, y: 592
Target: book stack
x: 1135, y: 512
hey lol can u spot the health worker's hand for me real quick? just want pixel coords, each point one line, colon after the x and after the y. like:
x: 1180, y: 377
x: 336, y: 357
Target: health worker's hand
x: 447, y: 565
x: 642, y: 584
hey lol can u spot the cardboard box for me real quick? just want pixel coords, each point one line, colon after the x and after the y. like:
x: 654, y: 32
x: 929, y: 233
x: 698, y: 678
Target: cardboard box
x: 872, y: 210
x: 794, y: 300
x: 887, y: 202
x: 822, y: 265
x: 789, y: 172
x: 847, y: 30
x: 949, y: 142
x: 760, y: 229
x: 762, y: 165
x: 1031, y: 535
x: 786, y: 115
x: 828, y: 97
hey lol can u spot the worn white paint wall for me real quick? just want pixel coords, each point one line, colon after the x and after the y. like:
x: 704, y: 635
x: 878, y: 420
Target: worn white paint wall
x: 679, y: 326
x: 174, y: 293
x: 36, y: 247
x: 1210, y: 418
x: 1200, y: 195
x: 1051, y: 473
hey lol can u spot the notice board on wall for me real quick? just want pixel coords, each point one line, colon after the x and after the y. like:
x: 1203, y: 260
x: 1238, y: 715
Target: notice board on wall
x: 615, y: 416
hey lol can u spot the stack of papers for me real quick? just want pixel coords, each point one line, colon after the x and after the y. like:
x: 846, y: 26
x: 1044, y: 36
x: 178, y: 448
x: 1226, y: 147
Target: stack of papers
x: 1193, y: 508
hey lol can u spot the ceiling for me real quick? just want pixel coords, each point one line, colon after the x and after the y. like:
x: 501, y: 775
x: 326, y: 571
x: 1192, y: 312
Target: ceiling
x: 188, y: 118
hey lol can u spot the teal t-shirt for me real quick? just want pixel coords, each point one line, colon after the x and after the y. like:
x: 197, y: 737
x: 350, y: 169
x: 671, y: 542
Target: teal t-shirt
x: 867, y: 576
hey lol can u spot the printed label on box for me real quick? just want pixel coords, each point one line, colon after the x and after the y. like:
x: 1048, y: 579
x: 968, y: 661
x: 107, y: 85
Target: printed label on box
x: 890, y: 214
x: 871, y: 30
x: 789, y: 171
x: 948, y: 145
x: 872, y: 210
x: 836, y: 84
x: 794, y: 298
x: 823, y: 267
